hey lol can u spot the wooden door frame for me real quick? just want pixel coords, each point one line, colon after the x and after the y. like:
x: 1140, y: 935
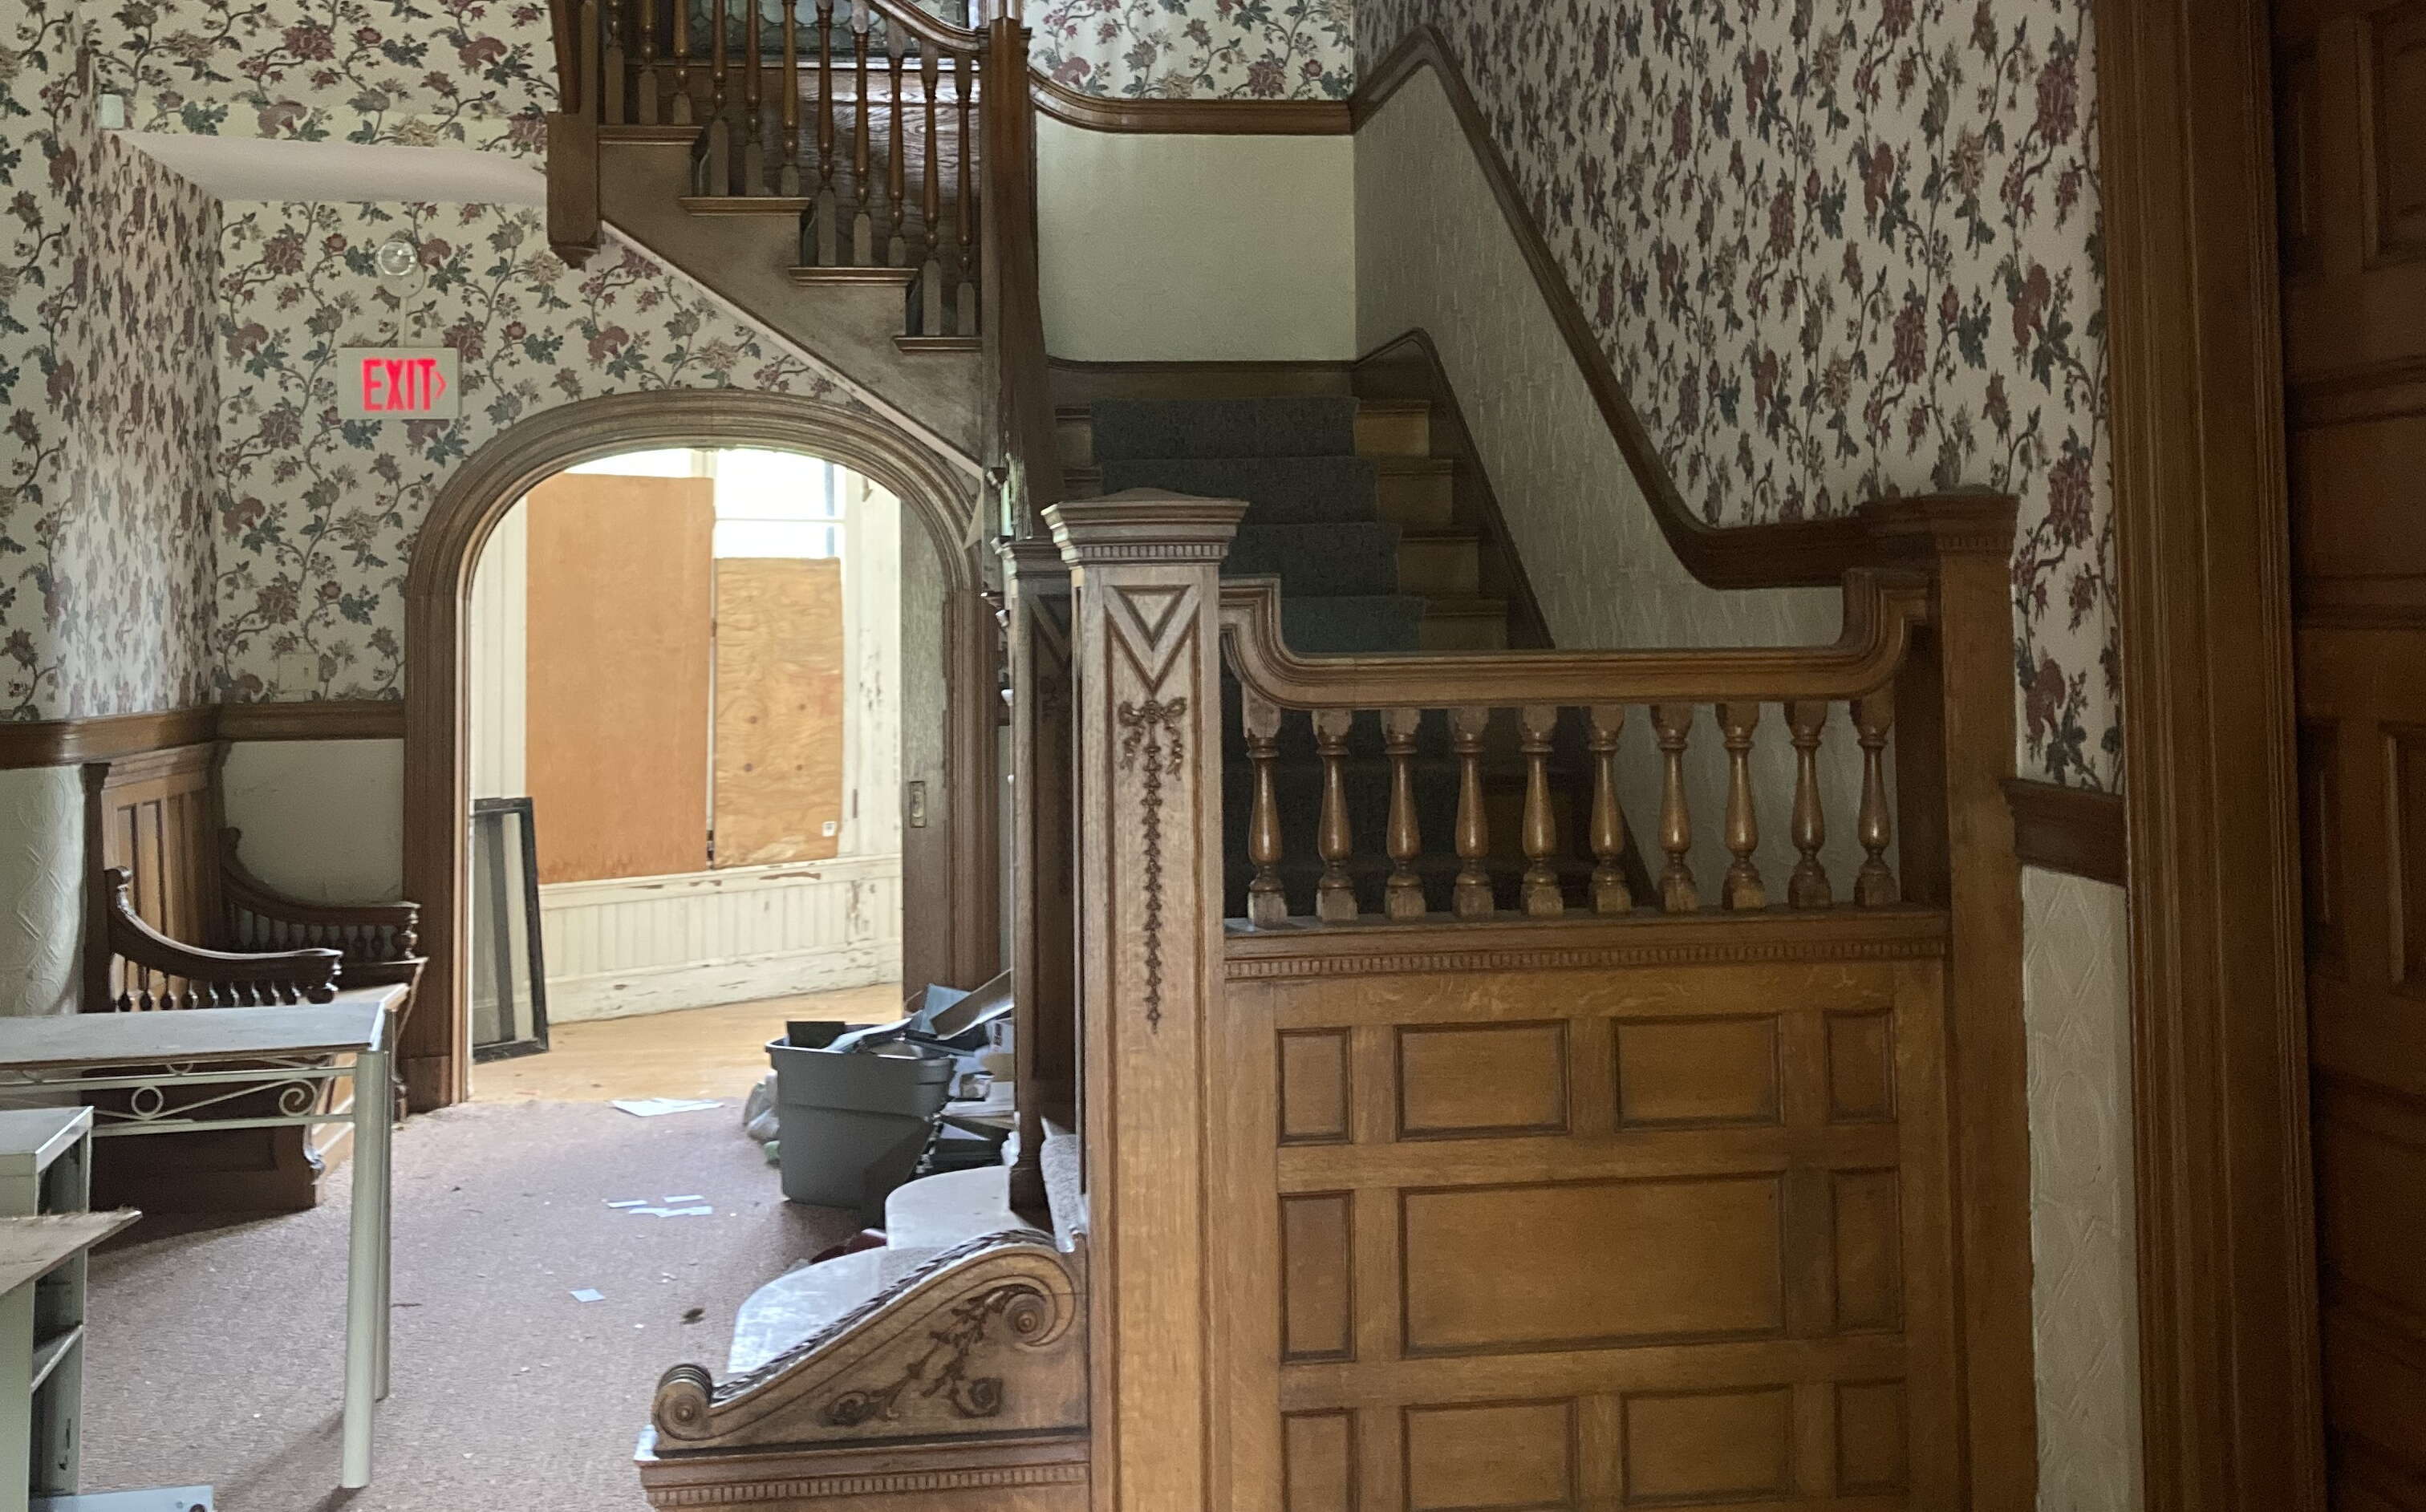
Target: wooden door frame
x: 2229, y: 1379
x: 960, y: 846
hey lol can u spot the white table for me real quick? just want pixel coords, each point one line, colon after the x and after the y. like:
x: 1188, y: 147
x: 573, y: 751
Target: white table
x: 179, y: 1066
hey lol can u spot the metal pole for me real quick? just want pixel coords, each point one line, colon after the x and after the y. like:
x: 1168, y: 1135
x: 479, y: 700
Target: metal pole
x: 365, y: 1263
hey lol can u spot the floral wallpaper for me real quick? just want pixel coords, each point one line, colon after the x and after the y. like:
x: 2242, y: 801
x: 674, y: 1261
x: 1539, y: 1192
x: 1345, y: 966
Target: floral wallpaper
x: 475, y: 74
x: 316, y: 529
x: 1200, y: 49
x: 1838, y: 249
x: 107, y: 386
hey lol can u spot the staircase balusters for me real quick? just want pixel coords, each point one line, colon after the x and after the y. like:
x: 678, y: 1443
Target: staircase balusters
x: 1673, y: 725
x: 862, y: 226
x: 682, y: 114
x: 931, y: 204
x: 964, y: 293
x: 1610, y: 892
x: 1873, y: 719
x: 1472, y: 898
x: 1541, y: 897
x: 610, y: 66
x: 1808, y: 887
x: 1742, y: 886
x: 896, y: 180
x: 720, y: 128
x: 787, y: 165
x: 1266, y: 904
x: 753, y: 138
x: 651, y: 87
x: 1334, y: 899
x: 1403, y: 898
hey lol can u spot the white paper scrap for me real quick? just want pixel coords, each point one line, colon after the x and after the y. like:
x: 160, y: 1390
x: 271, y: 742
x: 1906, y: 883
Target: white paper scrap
x: 652, y: 1107
x: 628, y: 1202
x: 586, y: 1294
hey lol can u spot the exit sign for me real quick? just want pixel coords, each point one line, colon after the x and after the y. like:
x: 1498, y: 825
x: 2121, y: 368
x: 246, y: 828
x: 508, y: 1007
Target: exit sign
x: 396, y: 383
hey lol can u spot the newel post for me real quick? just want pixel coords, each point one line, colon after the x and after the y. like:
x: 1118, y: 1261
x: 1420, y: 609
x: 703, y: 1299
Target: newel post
x: 1146, y: 670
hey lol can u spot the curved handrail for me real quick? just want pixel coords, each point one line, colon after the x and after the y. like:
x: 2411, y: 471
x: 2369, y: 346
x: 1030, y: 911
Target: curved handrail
x: 927, y: 27
x: 1881, y: 608
x: 311, y: 974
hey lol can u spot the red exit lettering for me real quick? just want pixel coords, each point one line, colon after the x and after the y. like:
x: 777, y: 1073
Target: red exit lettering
x: 401, y: 385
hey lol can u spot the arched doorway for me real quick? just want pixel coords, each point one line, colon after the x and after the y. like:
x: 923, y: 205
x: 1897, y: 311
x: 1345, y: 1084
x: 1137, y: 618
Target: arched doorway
x: 949, y: 853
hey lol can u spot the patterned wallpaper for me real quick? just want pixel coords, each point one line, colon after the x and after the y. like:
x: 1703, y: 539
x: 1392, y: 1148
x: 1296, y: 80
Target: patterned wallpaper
x: 315, y: 534
x: 1200, y: 49
x: 417, y: 72
x: 1838, y: 249
x: 108, y: 383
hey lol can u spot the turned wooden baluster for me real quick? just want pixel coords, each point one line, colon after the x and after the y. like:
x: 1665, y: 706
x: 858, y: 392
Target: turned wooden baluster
x: 1609, y: 894
x: 720, y: 125
x: 1743, y: 889
x: 1809, y: 887
x: 1266, y: 904
x: 788, y: 164
x: 1537, y: 724
x: 754, y: 104
x: 681, y: 113
x: 1404, y: 896
x: 897, y: 178
x: 651, y: 87
x: 610, y: 65
x: 863, y: 227
x: 1674, y: 724
x: 1335, y: 898
x: 930, y: 203
x: 1873, y: 719
x: 964, y: 295
x: 1472, y: 898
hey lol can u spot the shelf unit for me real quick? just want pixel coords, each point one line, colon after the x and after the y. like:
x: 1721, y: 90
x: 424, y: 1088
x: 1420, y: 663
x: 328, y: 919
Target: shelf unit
x: 46, y: 1169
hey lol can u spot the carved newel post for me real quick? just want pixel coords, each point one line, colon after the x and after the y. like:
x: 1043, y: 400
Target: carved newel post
x: 1145, y: 673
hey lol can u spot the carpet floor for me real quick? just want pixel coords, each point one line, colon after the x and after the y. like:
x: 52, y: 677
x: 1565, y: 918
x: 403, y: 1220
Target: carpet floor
x: 217, y: 1356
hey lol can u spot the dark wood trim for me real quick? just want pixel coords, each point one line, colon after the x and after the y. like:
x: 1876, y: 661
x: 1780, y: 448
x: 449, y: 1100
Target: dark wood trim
x: 2229, y: 1347
x: 1410, y: 368
x: 1797, y: 553
x: 2075, y: 830
x: 115, y: 737
x: 951, y: 870
x: 1190, y: 117
x: 1077, y: 383
x: 319, y: 719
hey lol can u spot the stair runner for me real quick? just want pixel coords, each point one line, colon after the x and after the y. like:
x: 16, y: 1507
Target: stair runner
x: 1313, y: 517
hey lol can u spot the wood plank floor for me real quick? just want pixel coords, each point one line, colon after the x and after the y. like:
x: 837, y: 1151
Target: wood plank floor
x: 696, y: 1052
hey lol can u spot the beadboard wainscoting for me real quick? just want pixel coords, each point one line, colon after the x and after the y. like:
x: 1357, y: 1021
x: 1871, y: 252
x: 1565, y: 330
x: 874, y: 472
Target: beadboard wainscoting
x: 651, y: 944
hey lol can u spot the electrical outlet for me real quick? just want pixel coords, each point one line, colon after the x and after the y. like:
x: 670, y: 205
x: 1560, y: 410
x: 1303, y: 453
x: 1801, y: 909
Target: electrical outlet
x: 917, y: 816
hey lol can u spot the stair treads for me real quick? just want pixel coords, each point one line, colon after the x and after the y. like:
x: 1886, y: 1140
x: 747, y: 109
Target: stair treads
x: 1344, y: 558
x: 1279, y: 491
x: 1361, y: 622
x: 1312, y: 427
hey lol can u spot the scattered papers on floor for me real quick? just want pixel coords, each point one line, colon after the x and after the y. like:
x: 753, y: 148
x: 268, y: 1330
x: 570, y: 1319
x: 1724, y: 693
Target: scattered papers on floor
x: 656, y: 1107
x: 588, y: 1294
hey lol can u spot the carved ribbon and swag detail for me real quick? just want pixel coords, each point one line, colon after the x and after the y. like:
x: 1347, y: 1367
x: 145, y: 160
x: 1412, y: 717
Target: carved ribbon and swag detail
x: 1145, y: 724
x: 943, y: 1369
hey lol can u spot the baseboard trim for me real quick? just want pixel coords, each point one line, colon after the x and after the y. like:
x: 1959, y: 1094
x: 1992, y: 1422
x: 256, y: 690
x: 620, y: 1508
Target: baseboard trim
x: 2069, y: 829
x: 1190, y: 117
x: 714, y: 984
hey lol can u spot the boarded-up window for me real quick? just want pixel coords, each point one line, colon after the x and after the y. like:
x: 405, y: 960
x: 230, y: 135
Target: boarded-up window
x: 779, y: 697
x: 619, y: 663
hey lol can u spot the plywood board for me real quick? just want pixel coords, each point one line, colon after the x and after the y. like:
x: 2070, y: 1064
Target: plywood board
x: 779, y: 709
x: 619, y: 662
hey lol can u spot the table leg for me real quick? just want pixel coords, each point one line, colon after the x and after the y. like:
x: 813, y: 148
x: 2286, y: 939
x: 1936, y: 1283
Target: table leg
x: 365, y: 1263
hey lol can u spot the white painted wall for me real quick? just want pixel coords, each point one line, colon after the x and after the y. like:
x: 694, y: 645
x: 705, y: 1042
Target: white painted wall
x: 496, y: 627
x: 871, y: 651
x: 1196, y: 249
x: 41, y: 888
x: 322, y: 819
x: 651, y: 944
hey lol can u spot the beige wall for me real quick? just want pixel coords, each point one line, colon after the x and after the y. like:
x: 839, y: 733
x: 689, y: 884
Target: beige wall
x: 1195, y: 248
x: 322, y: 819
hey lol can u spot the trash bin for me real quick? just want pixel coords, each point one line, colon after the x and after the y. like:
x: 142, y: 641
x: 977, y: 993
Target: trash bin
x: 853, y: 1123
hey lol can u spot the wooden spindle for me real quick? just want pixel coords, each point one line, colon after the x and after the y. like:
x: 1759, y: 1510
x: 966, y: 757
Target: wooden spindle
x: 720, y: 125
x: 896, y: 180
x: 682, y: 108
x: 1403, y: 898
x: 610, y: 65
x: 651, y: 87
x: 1536, y: 725
x: 1610, y: 892
x: 1674, y: 724
x: 1808, y: 889
x: 1743, y: 889
x: 1472, y: 898
x: 1875, y: 886
x: 1335, y: 898
x: 964, y: 219
x: 754, y: 102
x: 787, y: 162
x: 863, y: 227
x: 930, y: 202
x: 1266, y: 903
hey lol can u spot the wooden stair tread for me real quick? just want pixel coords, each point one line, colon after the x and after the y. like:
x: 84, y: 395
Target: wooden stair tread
x: 658, y: 135
x: 1465, y: 606
x: 845, y: 277
x: 1090, y: 474
x: 913, y: 344
x: 745, y: 204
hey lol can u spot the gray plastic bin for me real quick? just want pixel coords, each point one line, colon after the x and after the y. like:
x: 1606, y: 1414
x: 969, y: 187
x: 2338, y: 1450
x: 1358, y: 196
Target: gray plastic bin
x: 853, y: 1124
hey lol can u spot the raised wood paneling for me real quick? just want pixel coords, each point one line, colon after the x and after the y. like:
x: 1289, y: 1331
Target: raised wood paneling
x: 1697, y: 1072
x: 1503, y: 1079
x: 156, y: 821
x: 2396, y: 109
x: 779, y: 716
x: 1722, y: 1277
x: 1496, y: 1456
x: 1709, y: 1446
